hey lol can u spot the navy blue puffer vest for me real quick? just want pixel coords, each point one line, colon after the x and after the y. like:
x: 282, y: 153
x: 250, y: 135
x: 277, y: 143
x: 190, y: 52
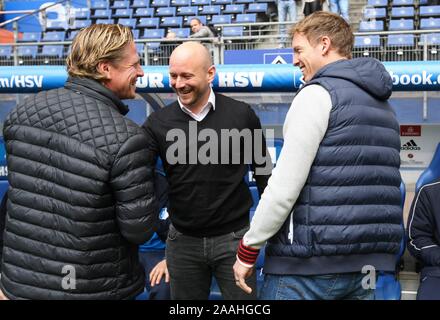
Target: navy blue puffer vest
x: 348, y: 214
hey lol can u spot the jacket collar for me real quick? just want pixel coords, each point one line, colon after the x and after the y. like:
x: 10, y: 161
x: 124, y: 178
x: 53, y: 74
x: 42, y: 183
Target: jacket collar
x: 94, y: 89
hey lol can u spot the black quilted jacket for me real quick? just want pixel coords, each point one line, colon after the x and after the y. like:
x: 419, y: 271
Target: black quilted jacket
x: 80, y: 199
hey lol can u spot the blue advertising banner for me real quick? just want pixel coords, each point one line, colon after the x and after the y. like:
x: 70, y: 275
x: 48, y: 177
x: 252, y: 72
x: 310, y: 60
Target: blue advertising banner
x: 407, y: 76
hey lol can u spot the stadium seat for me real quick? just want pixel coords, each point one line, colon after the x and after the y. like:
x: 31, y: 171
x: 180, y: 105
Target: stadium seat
x: 211, y: 10
x: 123, y: 13
x: 54, y: 36
x: 401, y: 24
x: 72, y: 35
x: 222, y: 2
x: 375, y: 13
x: 120, y: 4
x: 373, y: 25
x: 79, y: 24
x: 128, y: 22
x: 99, y: 4
x: 429, y: 11
x: 148, y: 23
x: 105, y: 21
x: 403, y: 3
x: 222, y: 19
x: 430, y: 23
x: 171, y: 22
x: 431, y: 38
x: 234, y: 8
x: 246, y: 18
x: 140, y: 4
x: 6, y: 52
x: 367, y: 41
x: 56, y: 25
x: 81, y: 13
x: 201, y: 2
x: 153, y: 34
x: 402, y: 12
x: 181, y: 32
x: 144, y: 12
x: 166, y: 12
x: 27, y: 51
x: 160, y: 3
x: 377, y: 3
x: 140, y: 48
x: 233, y: 31
x: 102, y: 14
x: 432, y: 172
x: 243, y: 1
x: 181, y: 3
x: 187, y: 11
x: 52, y: 51
x: 30, y: 37
x: 398, y: 40
x: 257, y: 8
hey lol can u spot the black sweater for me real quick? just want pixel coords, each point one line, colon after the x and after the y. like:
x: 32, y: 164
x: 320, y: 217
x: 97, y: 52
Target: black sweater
x: 206, y: 199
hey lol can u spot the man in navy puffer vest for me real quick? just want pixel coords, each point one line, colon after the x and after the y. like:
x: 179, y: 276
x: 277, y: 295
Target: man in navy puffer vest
x: 332, y: 205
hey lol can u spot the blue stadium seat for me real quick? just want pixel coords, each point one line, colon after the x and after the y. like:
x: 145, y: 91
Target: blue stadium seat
x: 187, y: 11
x: 81, y: 13
x: 120, y: 4
x: 6, y: 51
x: 144, y: 12
x: 402, y: 12
x: 222, y: 1
x: 432, y: 172
x: 140, y: 48
x: 28, y: 51
x: 153, y: 34
x: 211, y: 10
x: 181, y: 3
x: 401, y: 24
x: 148, y: 23
x: 187, y: 20
x: 140, y: 4
x: 72, y: 35
x: 373, y: 25
x: 181, y: 32
x: 123, y: 13
x: 52, y: 51
x: 160, y: 3
x: 403, y: 3
x: 128, y: 22
x: 222, y: 19
x: 99, y: 4
x: 431, y: 38
x: 56, y: 25
x: 246, y: 17
x: 398, y: 40
x: 367, y: 41
x: 234, y: 8
x: 102, y: 14
x: 105, y: 21
x: 79, y: 24
x: 166, y: 12
x: 377, y: 3
x: 171, y: 22
x: 54, y: 36
x: 244, y: 1
x: 135, y: 33
x: 430, y: 23
x: 429, y: 11
x: 232, y: 31
x: 201, y: 2
x: 375, y: 13
x: 257, y: 7
x: 31, y: 37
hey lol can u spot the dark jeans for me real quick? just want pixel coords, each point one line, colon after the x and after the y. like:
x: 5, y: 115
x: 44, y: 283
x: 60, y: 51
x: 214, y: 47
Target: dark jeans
x: 429, y: 288
x: 149, y: 259
x: 193, y: 261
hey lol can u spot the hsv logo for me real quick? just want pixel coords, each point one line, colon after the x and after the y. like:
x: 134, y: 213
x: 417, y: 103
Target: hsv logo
x: 410, y: 145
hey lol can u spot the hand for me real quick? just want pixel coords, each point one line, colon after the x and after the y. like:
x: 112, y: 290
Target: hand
x: 157, y: 273
x: 2, y: 296
x: 241, y: 273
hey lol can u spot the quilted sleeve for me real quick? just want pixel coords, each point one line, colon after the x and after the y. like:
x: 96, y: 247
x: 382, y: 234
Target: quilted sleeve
x: 132, y: 181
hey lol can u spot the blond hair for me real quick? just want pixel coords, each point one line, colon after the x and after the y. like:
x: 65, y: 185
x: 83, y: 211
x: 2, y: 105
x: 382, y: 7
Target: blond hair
x: 320, y: 24
x: 94, y: 44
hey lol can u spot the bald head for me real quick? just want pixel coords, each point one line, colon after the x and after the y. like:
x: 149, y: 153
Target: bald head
x: 194, y: 51
x: 191, y: 74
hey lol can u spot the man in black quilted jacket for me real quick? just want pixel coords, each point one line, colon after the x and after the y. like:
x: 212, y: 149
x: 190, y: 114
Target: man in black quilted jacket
x: 81, y: 180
